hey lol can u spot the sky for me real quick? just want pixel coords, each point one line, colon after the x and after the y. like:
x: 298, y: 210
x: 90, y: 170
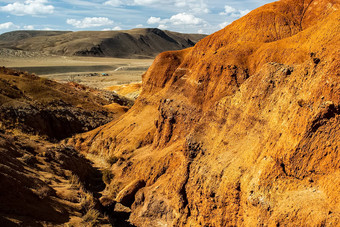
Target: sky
x: 187, y: 16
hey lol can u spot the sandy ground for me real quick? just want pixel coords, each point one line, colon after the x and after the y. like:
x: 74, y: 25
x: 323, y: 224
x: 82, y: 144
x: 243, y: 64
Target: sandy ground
x: 83, y: 70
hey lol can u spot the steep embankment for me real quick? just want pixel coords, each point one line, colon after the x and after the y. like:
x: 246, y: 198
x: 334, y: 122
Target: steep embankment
x: 242, y: 129
x: 135, y: 43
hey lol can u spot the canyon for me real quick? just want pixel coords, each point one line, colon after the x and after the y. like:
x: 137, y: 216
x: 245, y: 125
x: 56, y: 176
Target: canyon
x: 240, y: 130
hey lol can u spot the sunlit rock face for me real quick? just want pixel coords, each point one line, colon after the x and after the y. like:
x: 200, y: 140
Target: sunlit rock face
x: 242, y: 129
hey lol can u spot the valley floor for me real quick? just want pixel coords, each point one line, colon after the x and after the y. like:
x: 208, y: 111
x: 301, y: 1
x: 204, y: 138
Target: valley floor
x: 84, y: 70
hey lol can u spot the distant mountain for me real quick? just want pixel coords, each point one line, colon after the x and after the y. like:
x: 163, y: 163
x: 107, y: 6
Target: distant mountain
x: 135, y: 43
x: 22, y: 34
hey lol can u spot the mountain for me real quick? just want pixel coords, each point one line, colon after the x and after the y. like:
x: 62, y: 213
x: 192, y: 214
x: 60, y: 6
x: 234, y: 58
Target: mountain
x: 21, y: 35
x: 243, y: 129
x: 135, y: 43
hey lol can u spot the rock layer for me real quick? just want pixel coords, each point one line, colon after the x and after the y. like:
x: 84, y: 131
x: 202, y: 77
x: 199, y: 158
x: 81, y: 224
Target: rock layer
x: 242, y: 129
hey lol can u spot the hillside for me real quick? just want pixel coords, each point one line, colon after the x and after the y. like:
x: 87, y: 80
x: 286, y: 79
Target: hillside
x: 20, y: 35
x: 242, y: 129
x: 39, y: 106
x: 135, y: 43
x: 44, y: 182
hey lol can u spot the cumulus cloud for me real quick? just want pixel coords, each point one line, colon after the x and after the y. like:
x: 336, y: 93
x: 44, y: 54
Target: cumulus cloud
x: 89, y: 22
x: 232, y: 12
x: 185, y: 19
x: 8, y: 25
x: 178, y: 19
x: 155, y: 20
x: 115, y: 3
x: 29, y: 7
x: 162, y: 26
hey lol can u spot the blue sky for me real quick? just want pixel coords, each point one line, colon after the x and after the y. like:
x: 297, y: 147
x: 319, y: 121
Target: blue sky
x: 189, y: 16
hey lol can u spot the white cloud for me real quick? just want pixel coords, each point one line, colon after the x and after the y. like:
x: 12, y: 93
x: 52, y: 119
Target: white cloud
x: 29, y: 27
x: 162, y: 27
x: 232, y: 12
x: 8, y: 25
x: 155, y: 20
x: 185, y: 19
x: 228, y: 10
x: 193, y: 6
x: 29, y: 7
x: 114, y: 3
x: 180, y: 20
x: 200, y: 31
x: 89, y: 22
x: 139, y: 26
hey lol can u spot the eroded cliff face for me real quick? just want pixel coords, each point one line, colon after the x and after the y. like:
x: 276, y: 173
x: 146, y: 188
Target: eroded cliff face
x: 242, y: 129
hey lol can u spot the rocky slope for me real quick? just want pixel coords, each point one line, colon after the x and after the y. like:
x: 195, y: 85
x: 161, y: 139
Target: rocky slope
x: 43, y: 182
x: 135, y: 43
x: 241, y: 130
x: 40, y: 106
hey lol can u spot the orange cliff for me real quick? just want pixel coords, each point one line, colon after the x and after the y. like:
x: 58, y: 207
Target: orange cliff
x: 242, y: 129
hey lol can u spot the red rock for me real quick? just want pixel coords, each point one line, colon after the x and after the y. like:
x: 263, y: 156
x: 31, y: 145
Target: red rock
x: 240, y: 130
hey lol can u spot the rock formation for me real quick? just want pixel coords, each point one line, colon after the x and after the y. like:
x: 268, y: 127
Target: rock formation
x: 241, y: 130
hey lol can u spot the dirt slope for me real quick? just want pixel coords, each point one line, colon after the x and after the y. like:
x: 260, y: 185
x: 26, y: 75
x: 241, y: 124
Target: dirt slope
x: 241, y: 130
x: 135, y: 43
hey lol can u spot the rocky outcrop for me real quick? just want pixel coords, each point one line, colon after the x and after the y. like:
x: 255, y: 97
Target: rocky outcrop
x: 242, y: 129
